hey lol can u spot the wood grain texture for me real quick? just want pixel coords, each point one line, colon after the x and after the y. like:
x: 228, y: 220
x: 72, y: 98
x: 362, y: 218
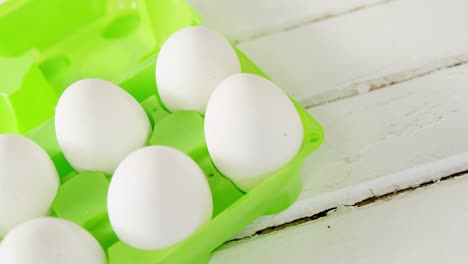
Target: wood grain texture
x: 364, y: 50
x: 427, y: 226
x: 390, y: 139
x: 245, y: 19
x: 387, y: 140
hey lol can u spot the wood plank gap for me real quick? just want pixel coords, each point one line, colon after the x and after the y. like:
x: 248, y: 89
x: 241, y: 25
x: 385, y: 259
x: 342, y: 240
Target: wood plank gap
x: 371, y: 200
x: 367, y: 86
x: 308, y: 21
x: 349, y: 196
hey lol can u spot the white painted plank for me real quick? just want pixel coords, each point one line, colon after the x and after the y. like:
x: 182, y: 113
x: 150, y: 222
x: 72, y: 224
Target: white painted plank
x: 388, y: 43
x: 243, y: 19
x: 427, y: 226
x: 390, y: 139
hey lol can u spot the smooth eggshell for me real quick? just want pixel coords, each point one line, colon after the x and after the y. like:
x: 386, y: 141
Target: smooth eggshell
x: 157, y: 197
x: 28, y: 181
x: 97, y: 124
x: 50, y: 241
x: 252, y: 128
x: 190, y: 64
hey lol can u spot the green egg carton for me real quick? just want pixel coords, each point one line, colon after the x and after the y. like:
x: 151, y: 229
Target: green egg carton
x: 48, y: 44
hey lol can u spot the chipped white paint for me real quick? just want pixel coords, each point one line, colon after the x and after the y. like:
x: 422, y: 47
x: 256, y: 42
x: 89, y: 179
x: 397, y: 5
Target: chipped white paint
x: 353, y: 194
x: 393, y: 138
x: 244, y: 19
x: 427, y: 226
x: 370, y: 48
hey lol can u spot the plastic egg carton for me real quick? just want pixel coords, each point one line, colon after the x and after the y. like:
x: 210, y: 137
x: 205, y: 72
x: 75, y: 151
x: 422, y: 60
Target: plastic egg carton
x: 48, y: 44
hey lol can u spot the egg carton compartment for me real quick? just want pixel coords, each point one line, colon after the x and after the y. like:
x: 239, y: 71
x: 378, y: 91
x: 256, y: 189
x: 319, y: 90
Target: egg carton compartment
x: 119, y: 41
x: 48, y: 44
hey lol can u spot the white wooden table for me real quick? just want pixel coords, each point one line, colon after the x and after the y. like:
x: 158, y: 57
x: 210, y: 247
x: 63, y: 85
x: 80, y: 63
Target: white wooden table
x: 388, y: 79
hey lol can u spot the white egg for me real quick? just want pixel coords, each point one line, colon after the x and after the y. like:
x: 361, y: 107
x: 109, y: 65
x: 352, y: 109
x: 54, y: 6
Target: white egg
x: 50, y: 241
x: 157, y: 197
x: 97, y: 124
x: 190, y: 64
x: 28, y: 181
x: 251, y: 128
